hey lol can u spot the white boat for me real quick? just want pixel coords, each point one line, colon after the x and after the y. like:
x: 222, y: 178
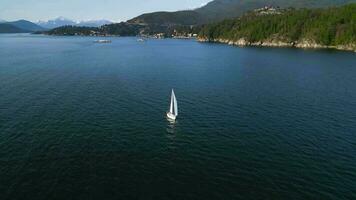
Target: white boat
x: 173, y: 109
x: 102, y: 41
x: 140, y: 40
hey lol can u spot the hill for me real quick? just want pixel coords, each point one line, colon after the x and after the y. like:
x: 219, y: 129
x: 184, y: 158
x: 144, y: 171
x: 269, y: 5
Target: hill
x: 310, y: 28
x: 8, y: 28
x: 169, y: 18
x: 26, y: 25
x: 118, y: 29
x: 221, y: 9
x: 70, y: 31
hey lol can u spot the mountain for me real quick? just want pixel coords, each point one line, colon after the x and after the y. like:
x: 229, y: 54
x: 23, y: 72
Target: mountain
x: 169, y: 18
x: 306, y: 28
x: 119, y: 29
x: 20, y: 26
x: 221, y: 9
x: 8, y: 28
x: 26, y: 25
x: 94, y: 23
x: 61, y: 21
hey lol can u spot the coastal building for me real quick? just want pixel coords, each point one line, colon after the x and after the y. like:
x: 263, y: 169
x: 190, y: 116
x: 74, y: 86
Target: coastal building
x: 268, y: 10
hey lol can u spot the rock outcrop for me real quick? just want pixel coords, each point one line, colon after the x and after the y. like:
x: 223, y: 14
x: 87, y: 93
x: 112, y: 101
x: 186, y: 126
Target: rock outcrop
x: 275, y: 42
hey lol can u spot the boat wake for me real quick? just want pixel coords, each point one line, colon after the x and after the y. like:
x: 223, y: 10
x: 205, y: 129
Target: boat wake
x: 172, y: 126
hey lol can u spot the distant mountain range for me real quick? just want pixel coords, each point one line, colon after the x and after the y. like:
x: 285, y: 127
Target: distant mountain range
x: 8, y: 28
x: 61, y: 21
x: 218, y: 10
x: 20, y: 26
x: 24, y: 26
x: 94, y: 23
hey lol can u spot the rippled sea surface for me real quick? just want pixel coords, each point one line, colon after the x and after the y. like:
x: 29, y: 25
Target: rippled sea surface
x: 82, y: 120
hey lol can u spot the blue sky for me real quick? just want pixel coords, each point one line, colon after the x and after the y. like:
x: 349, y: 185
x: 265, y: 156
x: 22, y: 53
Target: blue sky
x: 115, y: 10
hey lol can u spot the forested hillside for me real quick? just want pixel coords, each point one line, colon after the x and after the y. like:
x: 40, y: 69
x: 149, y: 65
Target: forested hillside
x: 302, y: 27
x: 223, y: 9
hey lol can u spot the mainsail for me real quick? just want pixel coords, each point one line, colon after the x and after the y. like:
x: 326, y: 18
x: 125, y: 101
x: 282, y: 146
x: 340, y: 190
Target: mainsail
x: 174, y: 106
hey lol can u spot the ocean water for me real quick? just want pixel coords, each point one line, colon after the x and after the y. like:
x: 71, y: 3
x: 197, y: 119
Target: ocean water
x: 82, y: 120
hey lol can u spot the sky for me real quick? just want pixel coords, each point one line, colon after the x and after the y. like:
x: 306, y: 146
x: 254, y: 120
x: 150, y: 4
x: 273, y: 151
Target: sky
x: 114, y: 10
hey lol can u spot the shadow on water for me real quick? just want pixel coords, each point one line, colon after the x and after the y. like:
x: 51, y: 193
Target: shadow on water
x: 172, y: 126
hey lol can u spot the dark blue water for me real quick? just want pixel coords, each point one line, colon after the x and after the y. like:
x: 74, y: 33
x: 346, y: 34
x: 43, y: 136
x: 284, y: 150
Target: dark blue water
x: 81, y: 120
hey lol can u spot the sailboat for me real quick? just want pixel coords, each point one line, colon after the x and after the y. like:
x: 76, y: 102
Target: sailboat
x: 173, y: 109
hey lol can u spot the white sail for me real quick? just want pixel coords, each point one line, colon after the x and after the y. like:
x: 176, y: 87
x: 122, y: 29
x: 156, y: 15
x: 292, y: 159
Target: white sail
x: 173, y: 109
x: 175, y: 105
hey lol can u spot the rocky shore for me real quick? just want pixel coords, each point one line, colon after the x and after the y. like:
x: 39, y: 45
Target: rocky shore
x: 306, y: 44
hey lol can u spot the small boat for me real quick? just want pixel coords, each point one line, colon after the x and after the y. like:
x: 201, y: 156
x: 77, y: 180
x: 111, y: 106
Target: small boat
x: 173, y: 109
x: 140, y: 40
x: 102, y: 41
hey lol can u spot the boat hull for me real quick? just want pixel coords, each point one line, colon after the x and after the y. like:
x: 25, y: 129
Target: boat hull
x: 171, y: 116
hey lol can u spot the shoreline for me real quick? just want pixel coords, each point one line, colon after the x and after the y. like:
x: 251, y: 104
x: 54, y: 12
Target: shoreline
x: 141, y: 36
x: 303, y: 44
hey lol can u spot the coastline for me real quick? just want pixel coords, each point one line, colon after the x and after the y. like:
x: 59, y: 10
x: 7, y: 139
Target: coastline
x: 303, y: 44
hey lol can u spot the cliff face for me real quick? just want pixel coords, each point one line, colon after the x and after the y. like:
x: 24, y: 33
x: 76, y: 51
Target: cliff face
x: 303, y: 43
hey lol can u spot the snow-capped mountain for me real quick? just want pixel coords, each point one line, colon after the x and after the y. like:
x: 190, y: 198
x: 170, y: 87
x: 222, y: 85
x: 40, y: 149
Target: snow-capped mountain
x: 94, y: 23
x: 61, y: 21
